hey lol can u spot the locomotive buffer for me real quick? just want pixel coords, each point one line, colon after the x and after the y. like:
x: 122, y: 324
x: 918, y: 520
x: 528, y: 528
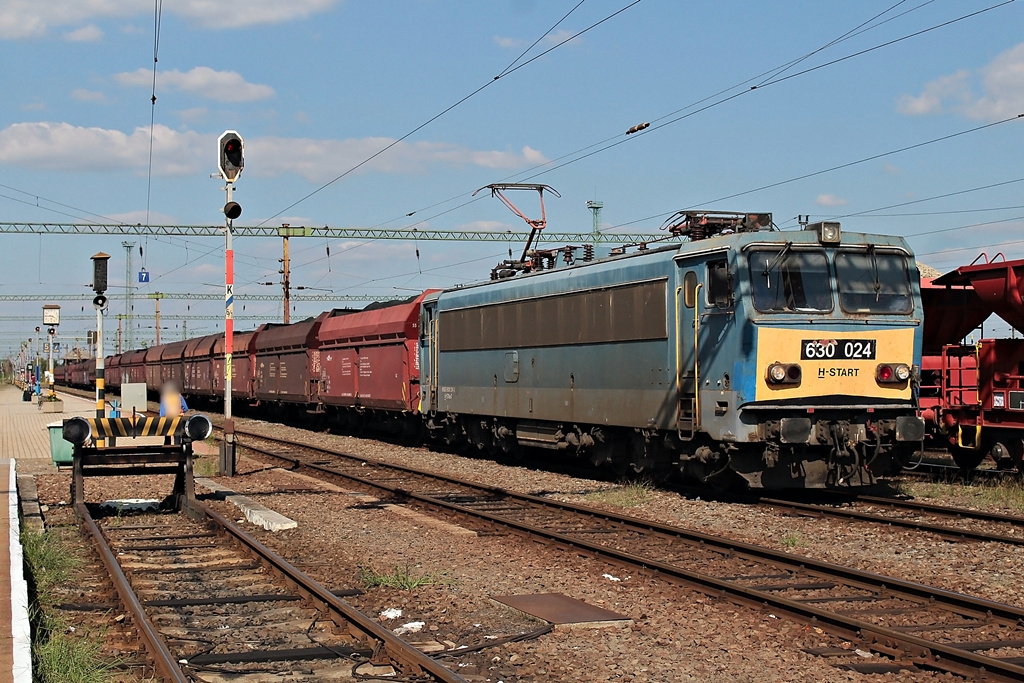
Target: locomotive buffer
x: 91, y: 460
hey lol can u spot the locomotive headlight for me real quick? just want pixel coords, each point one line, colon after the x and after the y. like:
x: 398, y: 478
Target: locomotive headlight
x: 777, y: 373
x: 830, y: 233
x: 902, y: 372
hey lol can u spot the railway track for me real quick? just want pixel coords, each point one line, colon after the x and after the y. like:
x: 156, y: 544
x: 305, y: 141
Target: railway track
x: 210, y: 602
x: 907, y: 514
x: 952, y: 473
x: 919, y: 626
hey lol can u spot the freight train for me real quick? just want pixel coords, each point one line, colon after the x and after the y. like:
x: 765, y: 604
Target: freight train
x: 741, y: 355
x: 972, y: 393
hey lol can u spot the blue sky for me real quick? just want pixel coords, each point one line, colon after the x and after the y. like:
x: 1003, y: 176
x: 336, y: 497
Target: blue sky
x: 316, y: 86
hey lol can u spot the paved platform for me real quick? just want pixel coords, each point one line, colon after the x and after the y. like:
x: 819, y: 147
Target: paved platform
x: 23, y: 434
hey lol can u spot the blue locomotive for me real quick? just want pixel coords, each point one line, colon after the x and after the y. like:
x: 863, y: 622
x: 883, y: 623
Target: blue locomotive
x: 787, y: 359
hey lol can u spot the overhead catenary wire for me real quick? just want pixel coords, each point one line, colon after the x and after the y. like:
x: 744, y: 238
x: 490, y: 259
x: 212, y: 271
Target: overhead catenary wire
x: 542, y: 37
x: 158, y: 6
x: 617, y: 139
x: 653, y: 128
x: 830, y: 169
x: 435, y: 117
x: 911, y: 202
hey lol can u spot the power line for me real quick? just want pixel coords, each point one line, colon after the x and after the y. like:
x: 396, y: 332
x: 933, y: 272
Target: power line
x: 622, y: 140
x: 963, y: 227
x: 39, y: 198
x: 382, y: 150
x: 926, y: 199
x: 618, y: 136
x: 794, y: 179
x: 941, y: 213
x: 616, y: 140
x: 534, y: 43
x: 891, y: 42
x: 158, y: 6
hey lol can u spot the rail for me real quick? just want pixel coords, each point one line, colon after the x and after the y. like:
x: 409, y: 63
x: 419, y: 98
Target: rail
x: 384, y: 645
x: 826, y: 591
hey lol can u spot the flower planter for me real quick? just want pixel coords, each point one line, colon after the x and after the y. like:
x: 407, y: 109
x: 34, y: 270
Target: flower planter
x: 53, y: 406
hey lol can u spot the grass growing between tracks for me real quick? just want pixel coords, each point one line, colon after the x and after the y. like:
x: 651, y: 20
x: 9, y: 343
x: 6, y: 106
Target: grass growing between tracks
x: 627, y: 495
x: 1006, y: 493
x: 206, y: 466
x: 404, y: 578
x: 60, y: 652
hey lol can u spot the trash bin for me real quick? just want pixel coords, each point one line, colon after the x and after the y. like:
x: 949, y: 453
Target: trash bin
x: 26, y: 395
x: 61, y: 451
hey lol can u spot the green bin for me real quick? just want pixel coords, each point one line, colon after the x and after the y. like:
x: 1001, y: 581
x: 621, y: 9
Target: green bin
x: 61, y: 452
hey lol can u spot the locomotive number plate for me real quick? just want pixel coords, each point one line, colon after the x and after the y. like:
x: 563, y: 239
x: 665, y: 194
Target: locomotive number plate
x: 837, y: 349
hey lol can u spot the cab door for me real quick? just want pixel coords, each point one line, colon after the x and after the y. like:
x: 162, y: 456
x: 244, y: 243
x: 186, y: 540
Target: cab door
x: 428, y: 355
x: 704, y: 304
x: 687, y: 370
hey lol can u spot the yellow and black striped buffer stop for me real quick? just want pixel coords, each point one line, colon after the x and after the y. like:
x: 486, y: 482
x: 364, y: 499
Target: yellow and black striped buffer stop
x: 140, y: 426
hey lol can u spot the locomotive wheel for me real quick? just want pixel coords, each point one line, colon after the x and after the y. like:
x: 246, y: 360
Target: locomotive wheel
x: 967, y: 459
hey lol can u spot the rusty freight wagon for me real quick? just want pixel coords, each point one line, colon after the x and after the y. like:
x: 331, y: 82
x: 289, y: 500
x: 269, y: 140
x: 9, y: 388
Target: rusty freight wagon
x: 369, y: 361
x: 284, y: 360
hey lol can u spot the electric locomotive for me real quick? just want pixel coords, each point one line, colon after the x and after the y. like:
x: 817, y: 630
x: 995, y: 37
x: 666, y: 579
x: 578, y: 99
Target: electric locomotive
x: 782, y: 359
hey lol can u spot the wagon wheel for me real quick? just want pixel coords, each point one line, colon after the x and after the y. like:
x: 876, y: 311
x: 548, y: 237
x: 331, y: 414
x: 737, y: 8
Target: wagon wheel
x: 967, y: 459
x: 1017, y: 453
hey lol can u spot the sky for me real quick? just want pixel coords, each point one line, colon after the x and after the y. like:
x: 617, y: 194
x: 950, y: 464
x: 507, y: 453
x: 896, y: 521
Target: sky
x: 318, y: 86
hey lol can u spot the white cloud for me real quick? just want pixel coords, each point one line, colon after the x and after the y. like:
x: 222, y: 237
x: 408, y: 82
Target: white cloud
x: 21, y: 19
x: 87, y: 34
x: 38, y: 105
x: 507, y: 43
x: 559, y: 37
x: 84, y: 95
x: 937, y: 95
x: 1000, y: 83
x: 65, y: 147
x: 549, y: 40
x: 223, y: 86
x: 830, y: 200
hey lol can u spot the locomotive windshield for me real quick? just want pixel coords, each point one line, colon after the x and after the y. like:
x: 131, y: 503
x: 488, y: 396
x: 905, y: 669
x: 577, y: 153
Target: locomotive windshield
x: 790, y: 281
x: 872, y: 282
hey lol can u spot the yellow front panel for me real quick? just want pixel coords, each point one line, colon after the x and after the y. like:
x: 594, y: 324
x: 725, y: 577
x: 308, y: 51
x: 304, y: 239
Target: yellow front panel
x: 830, y: 376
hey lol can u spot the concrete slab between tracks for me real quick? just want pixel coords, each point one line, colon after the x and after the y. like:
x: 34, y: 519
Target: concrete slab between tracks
x: 255, y: 513
x: 366, y: 499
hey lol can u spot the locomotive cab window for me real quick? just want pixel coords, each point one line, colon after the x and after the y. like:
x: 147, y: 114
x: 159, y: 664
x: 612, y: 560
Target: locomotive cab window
x: 873, y: 282
x: 690, y: 289
x: 719, y: 284
x: 789, y: 281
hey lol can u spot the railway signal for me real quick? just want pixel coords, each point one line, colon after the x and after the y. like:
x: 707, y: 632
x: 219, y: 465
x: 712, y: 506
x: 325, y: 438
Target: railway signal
x: 231, y: 155
x: 230, y: 161
x: 99, y: 285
